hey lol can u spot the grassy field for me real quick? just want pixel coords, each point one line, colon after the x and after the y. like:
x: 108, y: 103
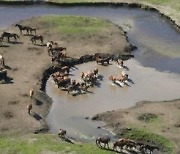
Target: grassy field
x: 44, y: 143
x: 72, y: 24
x: 144, y: 135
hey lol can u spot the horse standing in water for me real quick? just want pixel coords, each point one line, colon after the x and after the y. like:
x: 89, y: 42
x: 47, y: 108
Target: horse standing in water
x: 35, y: 38
x: 9, y: 35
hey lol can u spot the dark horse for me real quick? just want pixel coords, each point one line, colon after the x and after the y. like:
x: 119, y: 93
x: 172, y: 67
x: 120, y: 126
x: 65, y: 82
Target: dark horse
x: 21, y: 28
x: 9, y: 35
x: 104, y: 140
x: 36, y: 37
x: 29, y: 30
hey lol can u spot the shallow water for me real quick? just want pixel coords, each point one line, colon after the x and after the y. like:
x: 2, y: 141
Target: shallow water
x: 146, y: 84
x: 155, y: 70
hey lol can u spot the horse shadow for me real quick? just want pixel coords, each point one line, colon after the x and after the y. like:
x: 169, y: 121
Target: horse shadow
x: 37, y: 102
x: 4, y: 46
x: 40, y: 45
x: 126, y: 68
x: 66, y: 139
x: 112, y: 150
x: 36, y: 116
x: 131, y: 81
x: 15, y: 42
x: 28, y: 34
x: 8, y: 80
x: 7, y: 67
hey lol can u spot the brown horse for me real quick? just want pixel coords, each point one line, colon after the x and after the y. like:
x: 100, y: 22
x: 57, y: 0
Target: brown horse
x: 118, y: 144
x: 9, y: 35
x: 35, y: 38
x: 104, y: 140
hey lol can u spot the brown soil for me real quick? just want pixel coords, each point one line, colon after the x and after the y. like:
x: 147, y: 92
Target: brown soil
x: 26, y: 62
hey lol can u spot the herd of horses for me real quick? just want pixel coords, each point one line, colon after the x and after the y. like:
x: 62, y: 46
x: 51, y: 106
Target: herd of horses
x: 122, y: 145
x: 126, y: 144
x: 65, y: 83
x: 29, y: 31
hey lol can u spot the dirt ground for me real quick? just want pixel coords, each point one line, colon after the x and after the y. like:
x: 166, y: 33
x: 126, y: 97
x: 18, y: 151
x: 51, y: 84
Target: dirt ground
x: 25, y: 63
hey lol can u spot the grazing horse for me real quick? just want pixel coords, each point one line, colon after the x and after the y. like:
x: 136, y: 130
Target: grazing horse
x: 62, y: 133
x: 104, y: 140
x: 9, y: 35
x: 145, y: 148
x: 36, y: 37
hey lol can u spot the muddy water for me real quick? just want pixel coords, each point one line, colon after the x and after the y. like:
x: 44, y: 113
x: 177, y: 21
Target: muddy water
x: 146, y: 84
x: 155, y: 70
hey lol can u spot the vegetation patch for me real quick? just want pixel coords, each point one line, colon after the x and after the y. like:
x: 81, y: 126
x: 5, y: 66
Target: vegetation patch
x: 147, y: 117
x: 35, y: 144
x: 153, y: 139
x: 72, y: 25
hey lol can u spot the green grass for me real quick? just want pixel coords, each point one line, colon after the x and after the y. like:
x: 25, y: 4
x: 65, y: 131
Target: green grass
x: 72, y: 25
x: 144, y: 135
x: 35, y: 144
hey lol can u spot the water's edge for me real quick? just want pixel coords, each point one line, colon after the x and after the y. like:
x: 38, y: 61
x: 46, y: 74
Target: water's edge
x: 96, y: 4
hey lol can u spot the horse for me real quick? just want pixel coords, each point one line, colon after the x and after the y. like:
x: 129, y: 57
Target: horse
x: 31, y: 93
x: 62, y: 133
x: 36, y: 37
x: 30, y: 29
x: 145, y: 148
x: 22, y: 28
x: 2, y: 61
x: 103, y: 60
x: 104, y: 140
x: 65, y: 69
x: 129, y: 143
x: 9, y: 35
x: 29, y: 107
x: 119, y: 144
